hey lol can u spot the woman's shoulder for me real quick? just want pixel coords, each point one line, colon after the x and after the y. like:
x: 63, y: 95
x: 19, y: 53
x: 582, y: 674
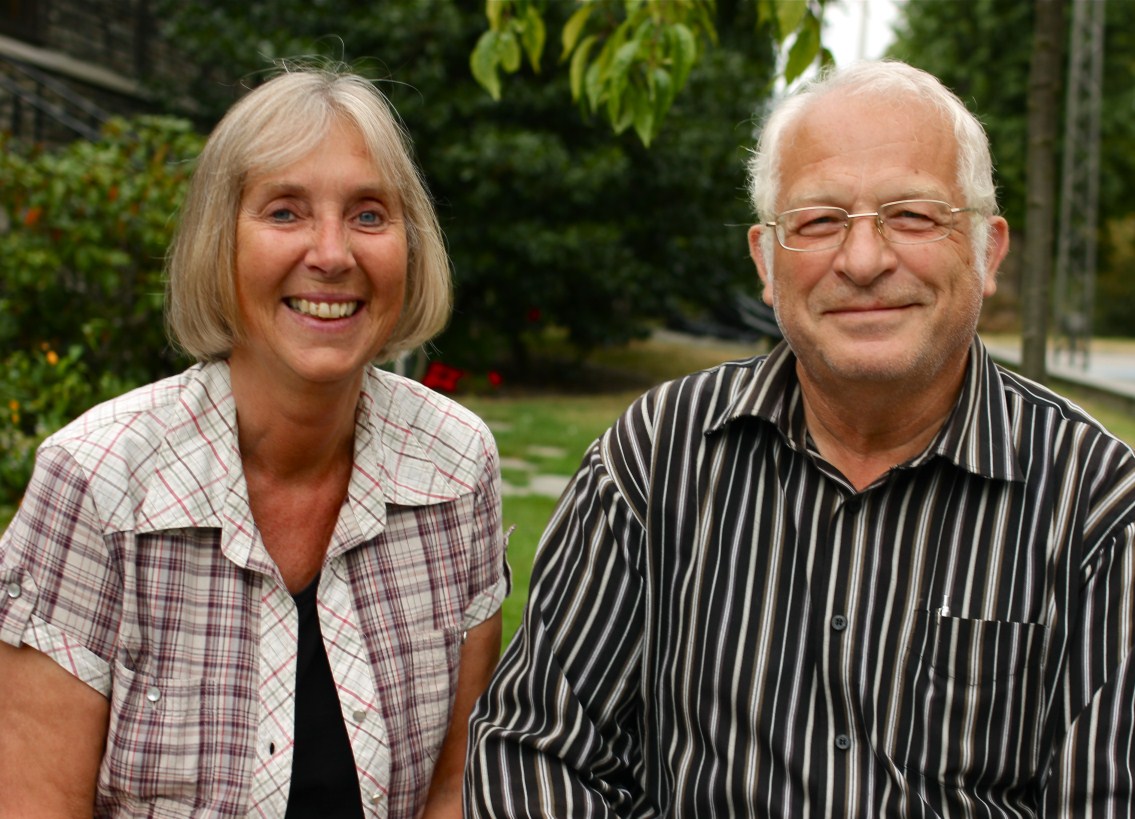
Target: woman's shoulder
x: 132, y: 426
x: 399, y: 395
x: 400, y: 408
x: 123, y: 411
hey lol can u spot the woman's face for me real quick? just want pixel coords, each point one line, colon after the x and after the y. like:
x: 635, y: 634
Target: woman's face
x: 321, y: 258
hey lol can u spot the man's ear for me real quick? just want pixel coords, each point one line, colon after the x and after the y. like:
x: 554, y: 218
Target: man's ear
x: 995, y: 252
x: 758, y: 256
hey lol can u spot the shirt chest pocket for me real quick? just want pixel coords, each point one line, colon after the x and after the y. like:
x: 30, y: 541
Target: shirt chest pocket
x: 970, y: 691
x: 163, y: 738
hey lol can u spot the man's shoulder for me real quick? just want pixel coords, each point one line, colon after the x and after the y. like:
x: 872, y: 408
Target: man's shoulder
x: 1057, y: 411
x: 703, y: 399
x: 1052, y: 434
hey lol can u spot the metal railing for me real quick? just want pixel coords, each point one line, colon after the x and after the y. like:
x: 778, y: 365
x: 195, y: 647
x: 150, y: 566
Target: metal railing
x: 47, y: 97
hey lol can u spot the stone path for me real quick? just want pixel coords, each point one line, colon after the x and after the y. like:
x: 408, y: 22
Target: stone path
x: 550, y: 486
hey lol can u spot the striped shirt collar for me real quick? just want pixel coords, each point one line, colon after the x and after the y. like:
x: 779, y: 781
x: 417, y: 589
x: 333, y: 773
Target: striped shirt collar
x: 977, y: 437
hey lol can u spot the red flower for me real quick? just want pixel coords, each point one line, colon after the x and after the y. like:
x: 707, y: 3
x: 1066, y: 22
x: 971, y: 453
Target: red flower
x: 495, y: 379
x: 442, y: 377
x: 533, y: 315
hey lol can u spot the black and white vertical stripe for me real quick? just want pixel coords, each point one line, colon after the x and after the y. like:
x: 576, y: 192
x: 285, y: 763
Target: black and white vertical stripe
x: 719, y: 625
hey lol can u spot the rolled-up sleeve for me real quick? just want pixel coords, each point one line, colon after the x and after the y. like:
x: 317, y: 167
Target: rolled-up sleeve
x: 61, y: 588
x: 490, y: 579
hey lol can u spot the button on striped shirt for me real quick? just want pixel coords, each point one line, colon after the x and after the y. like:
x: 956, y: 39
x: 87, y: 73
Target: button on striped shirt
x: 719, y: 625
x: 134, y: 562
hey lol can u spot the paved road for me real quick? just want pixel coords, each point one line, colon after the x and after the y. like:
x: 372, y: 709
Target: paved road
x: 1110, y: 365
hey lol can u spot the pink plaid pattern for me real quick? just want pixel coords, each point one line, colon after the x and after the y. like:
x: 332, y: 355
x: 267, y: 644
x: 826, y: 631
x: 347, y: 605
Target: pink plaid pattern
x: 134, y: 562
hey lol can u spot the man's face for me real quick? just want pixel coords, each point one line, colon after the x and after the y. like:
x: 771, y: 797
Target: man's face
x: 871, y: 310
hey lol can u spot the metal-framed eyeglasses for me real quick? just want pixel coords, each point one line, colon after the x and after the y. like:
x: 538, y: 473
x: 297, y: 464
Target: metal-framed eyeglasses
x: 906, y: 222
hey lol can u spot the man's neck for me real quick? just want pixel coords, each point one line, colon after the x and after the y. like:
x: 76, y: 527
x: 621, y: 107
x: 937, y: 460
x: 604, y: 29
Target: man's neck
x: 864, y: 430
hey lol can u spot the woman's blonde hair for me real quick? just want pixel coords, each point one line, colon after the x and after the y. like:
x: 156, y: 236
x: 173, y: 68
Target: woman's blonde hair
x: 274, y: 125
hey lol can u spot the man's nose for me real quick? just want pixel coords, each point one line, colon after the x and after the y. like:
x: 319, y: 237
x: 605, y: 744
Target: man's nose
x: 864, y: 254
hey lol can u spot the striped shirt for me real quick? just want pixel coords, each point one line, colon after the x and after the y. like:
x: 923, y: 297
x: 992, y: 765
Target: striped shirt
x: 721, y: 626
x: 134, y: 562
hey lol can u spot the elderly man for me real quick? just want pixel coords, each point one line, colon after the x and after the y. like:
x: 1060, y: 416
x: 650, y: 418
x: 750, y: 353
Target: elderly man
x: 869, y: 574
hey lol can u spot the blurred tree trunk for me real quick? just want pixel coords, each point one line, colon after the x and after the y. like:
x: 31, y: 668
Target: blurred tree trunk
x: 1040, y: 209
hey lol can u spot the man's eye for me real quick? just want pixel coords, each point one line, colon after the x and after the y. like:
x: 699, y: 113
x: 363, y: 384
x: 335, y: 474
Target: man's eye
x: 909, y: 219
x: 819, y: 225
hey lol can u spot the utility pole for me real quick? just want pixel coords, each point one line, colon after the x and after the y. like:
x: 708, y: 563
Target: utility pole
x: 1040, y: 181
x: 1079, y: 195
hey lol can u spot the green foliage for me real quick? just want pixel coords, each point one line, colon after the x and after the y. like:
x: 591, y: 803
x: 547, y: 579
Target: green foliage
x: 629, y: 59
x: 86, y: 228
x: 43, y: 391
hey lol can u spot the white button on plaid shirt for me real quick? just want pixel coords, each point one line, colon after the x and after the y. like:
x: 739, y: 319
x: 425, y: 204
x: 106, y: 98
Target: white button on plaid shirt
x: 137, y: 566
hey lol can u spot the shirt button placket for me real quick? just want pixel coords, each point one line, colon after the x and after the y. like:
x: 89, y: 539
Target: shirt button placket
x: 842, y: 742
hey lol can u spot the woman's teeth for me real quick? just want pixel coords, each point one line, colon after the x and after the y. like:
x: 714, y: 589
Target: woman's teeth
x: 324, y: 309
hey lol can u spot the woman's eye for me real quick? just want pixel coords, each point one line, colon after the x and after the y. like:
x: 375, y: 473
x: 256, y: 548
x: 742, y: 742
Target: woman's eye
x: 281, y: 215
x: 370, y: 218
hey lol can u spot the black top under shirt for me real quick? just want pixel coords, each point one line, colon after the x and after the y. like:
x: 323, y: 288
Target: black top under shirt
x: 324, y: 782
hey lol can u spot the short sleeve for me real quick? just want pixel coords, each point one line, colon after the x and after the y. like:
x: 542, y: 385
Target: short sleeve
x: 490, y: 578
x: 61, y: 591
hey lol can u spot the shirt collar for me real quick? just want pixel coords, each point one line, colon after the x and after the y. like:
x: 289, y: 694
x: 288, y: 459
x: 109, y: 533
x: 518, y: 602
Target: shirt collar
x: 977, y: 436
x: 197, y: 480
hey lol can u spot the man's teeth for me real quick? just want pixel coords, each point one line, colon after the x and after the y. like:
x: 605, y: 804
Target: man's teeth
x: 324, y: 309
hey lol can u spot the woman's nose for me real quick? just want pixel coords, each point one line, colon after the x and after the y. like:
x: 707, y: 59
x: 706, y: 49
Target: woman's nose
x: 330, y: 249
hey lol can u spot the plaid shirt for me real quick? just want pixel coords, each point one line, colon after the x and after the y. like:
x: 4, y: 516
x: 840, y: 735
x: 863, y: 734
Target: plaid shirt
x: 134, y: 562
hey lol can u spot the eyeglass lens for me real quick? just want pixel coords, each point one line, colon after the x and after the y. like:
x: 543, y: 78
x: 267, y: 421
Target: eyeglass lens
x: 908, y: 222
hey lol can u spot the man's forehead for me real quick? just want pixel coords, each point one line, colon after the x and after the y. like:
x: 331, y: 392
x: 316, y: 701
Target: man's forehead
x: 836, y: 114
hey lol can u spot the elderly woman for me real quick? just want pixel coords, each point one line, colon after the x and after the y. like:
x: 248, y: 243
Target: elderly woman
x: 269, y: 586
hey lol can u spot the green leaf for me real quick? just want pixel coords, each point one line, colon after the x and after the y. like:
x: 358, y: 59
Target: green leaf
x: 620, y: 111
x: 705, y: 13
x: 663, y: 90
x: 483, y: 63
x: 624, y: 58
x: 644, y: 118
x: 533, y: 34
x: 494, y: 10
x: 804, y: 49
x: 508, y: 51
x: 573, y: 28
x: 594, y: 82
x: 684, y: 53
x: 579, y: 65
x: 789, y: 15
x: 619, y: 86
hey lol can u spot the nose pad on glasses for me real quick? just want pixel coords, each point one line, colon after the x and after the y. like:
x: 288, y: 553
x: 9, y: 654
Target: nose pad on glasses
x: 863, y: 256
x: 875, y: 226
